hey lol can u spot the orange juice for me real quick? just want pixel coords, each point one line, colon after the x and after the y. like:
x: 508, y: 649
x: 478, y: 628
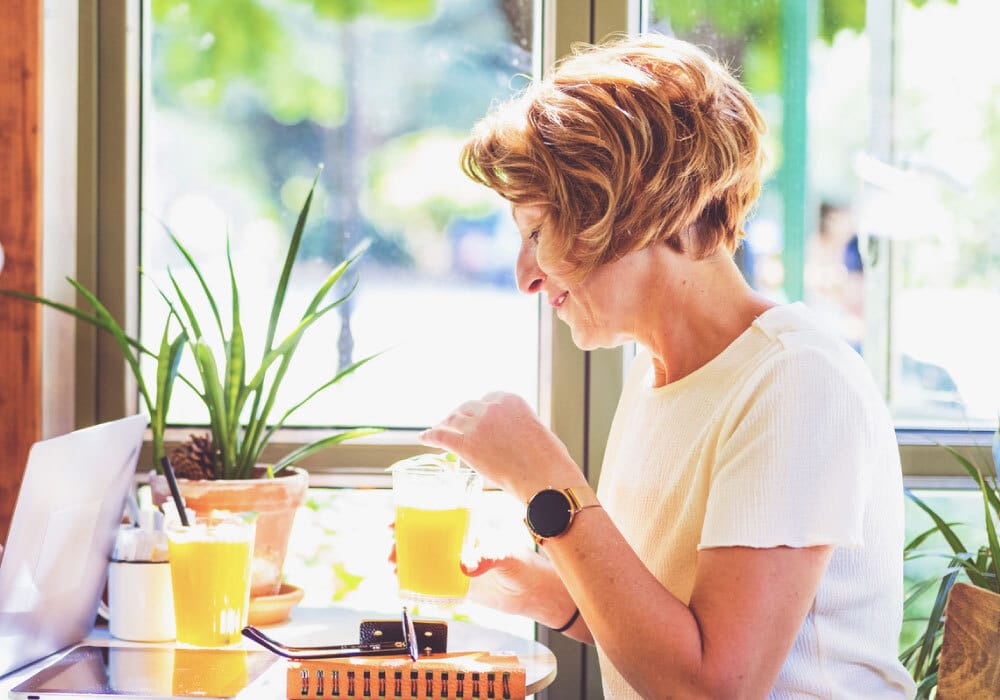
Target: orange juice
x: 428, y: 551
x: 215, y: 673
x: 210, y: 571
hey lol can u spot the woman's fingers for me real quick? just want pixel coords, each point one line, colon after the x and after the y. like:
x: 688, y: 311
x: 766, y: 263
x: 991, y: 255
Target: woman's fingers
x: 482, y: 566
x: 443, y: 438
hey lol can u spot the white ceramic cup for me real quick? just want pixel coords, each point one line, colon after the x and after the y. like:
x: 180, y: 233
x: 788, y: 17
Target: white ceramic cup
x: 140, y: 601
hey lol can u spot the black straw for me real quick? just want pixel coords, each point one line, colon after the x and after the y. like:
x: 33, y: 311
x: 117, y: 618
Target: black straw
x: 168, y: 471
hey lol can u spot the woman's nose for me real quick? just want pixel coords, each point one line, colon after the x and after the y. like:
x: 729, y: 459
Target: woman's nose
x: 529, y: 275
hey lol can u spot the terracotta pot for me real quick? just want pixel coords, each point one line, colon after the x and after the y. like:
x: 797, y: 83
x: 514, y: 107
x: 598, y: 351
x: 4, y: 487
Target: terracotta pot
x: 274, y: 500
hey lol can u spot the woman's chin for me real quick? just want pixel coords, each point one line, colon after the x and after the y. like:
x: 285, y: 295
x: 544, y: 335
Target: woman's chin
x: 587, y: 339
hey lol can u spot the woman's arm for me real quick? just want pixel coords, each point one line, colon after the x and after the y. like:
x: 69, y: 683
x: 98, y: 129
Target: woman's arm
x: 746, y: 607
x: 732, y: 638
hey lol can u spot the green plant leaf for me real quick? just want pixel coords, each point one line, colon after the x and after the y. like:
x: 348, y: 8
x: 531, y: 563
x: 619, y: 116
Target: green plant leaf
x: 922, y: 537
x: 93, y: 320
x: 253, y: 444
x: 312, y: 447
x: 286, y: 268
x: 949, y: 535
x: 216, y: 403
x: 236, y: 352
x: 201, y: 279
x: 962, y: 554
x: 256, y: 419
x: 934, y: 626
x: 977, y: 476
x: 991, y: 535
x: 287, y: 346
x: 340, y: 375
x: 335, y: 276
x: 120, y: 337
x: 167, y: 366
x: 926, y: 686
x: 920, y: 588
x: 192, y: 318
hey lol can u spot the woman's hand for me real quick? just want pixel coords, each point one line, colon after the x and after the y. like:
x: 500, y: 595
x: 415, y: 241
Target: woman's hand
x: 523, y: 584
x: 501, y: 437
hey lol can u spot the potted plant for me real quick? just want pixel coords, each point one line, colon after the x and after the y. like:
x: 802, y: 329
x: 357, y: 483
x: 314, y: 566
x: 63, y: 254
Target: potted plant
x: 977, y: 564
x: 221, y: 468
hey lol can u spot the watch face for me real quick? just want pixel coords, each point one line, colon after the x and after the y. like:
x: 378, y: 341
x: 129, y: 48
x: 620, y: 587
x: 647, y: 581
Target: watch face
x: 549, y: 513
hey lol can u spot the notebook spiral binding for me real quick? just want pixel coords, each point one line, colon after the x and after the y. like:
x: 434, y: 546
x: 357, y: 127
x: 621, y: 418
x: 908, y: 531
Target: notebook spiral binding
x: 502, y: 678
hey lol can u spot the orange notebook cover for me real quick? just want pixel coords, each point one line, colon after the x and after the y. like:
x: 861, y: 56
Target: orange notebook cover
x: 457, y: 675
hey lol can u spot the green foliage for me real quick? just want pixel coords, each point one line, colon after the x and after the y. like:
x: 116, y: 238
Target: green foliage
x: 210, y: 47
x: 240, y: 409
x: 977, y: 563
x: 748, y: 32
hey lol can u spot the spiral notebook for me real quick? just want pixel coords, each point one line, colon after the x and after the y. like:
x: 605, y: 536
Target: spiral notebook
x: 458, y: 675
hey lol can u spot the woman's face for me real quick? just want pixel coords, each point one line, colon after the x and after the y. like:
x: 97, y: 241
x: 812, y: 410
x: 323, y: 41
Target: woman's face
x: 602, y: 310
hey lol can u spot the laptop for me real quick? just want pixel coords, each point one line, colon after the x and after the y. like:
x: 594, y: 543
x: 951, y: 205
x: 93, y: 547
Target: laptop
x: 62, y: 532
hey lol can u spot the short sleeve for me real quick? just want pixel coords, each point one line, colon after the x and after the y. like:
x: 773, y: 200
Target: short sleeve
x: 794, y: 461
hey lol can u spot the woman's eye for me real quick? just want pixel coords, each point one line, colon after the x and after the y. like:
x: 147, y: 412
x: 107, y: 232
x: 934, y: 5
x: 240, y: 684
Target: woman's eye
x: 533, y: 236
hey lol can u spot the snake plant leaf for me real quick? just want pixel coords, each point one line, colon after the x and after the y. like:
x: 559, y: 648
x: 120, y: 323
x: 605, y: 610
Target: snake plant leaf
x: 120, y: 337
x: 187, y: 335
x: 335, y: 276
x: 318, y: 445
x: 236, y: 352
x: 216, y: 403
x: 326, y: 385
x: 92, y: 319
x: 167, y: 365
x: 191, y: 316
x: 286, y: 268
x: 167, y: 368
x: 258, y: 419
x: 289, y: 344
x: 201, y: 279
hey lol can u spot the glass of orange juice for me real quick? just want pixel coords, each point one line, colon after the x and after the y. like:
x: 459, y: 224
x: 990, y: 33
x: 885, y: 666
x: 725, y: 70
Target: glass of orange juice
x: 434, y: 496
x: 210, y: 566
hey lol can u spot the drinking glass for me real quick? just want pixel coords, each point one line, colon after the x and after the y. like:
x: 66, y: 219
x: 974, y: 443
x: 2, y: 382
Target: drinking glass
x: 210, y: 568
x: 434, y: 496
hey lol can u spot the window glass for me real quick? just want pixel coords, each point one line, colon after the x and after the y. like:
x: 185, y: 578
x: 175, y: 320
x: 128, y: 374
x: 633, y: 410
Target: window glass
x: 244, y: 100
x: 817, y: 120
x: 937, y: 203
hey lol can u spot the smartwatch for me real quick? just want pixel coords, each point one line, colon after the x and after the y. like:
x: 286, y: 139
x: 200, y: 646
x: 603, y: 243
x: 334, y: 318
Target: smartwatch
x: 551, y: 511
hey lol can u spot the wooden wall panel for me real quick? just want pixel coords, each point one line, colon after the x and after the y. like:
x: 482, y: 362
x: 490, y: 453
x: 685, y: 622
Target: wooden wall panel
x: 20, y: 236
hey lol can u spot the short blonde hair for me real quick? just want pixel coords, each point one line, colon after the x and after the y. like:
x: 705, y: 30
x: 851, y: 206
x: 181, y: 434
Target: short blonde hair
x: 633, y: 142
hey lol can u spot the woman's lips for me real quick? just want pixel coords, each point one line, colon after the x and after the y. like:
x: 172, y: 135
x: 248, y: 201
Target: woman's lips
x: 558, y: 301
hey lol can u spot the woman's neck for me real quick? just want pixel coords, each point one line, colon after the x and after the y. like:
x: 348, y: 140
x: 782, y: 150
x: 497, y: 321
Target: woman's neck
x: 704, y: 306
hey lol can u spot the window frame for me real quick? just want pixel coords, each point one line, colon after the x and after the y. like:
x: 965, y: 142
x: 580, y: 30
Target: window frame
x: 578, y: 390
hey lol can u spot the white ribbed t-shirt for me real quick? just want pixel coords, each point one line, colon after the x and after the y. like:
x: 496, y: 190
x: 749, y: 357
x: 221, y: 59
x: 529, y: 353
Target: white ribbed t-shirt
x: 782, y: 439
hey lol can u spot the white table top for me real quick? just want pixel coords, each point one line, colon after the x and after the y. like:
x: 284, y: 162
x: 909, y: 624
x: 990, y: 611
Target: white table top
x: 310, y: 626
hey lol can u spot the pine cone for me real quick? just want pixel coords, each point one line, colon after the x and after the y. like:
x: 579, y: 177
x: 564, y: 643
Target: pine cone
x: 194, y: 459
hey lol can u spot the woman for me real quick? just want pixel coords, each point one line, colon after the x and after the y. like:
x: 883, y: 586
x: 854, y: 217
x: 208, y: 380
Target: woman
x: 746, y: 536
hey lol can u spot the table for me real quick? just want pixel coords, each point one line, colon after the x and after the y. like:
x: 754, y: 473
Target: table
x: 310, y: 626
